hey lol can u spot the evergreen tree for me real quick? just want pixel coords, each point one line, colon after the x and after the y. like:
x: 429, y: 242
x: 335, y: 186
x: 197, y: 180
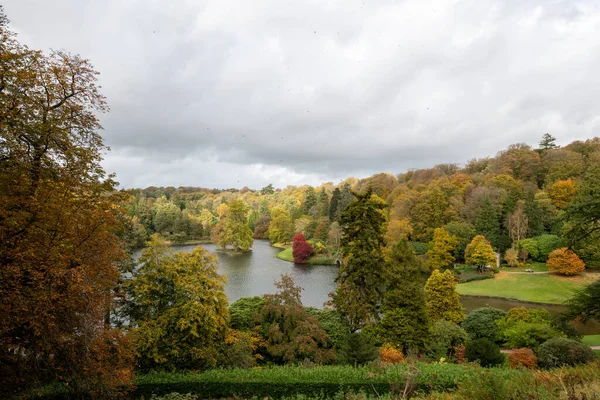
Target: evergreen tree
x: 443, y: 302
x: 346, y: 197
x: 360, y: 278
x: 310, y: 201
x: 323, y: 203
x: 333, y: 205
x: 267, y: 189
x: 487, y: 223
x: 547, y: 142
x: 405, y: 322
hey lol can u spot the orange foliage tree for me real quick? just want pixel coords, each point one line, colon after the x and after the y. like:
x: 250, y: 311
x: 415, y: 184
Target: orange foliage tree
x: 58, y: 222
x: 565, y: 261
x: 520, y: 358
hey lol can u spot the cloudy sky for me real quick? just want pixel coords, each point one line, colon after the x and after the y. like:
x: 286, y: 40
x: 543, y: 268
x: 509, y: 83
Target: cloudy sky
x: 239, y: 93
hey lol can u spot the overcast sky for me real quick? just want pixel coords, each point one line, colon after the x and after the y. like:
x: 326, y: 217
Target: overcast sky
x: 243, y: 93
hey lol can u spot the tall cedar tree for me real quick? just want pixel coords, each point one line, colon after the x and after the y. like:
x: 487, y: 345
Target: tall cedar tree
x: 290, y: 333
x: 58, y: 222
x: 236, y: 232
x: 178, y: 308
x: 583, y: 217
x: 360, y: 278
x: 443, y: 302
x: 487, y: 223
x: 333, y: 205
x: 301, y: 249
x: 310, y: 201
x: 441, y: 248
x: 405, y: 322
x: 323, y: 204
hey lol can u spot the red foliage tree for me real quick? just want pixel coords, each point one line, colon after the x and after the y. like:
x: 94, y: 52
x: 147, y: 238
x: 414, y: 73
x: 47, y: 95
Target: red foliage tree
x: 301, y: 249
x: 520, y: 358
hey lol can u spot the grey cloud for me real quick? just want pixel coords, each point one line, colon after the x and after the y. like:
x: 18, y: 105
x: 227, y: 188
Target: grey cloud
x: 211, y: 93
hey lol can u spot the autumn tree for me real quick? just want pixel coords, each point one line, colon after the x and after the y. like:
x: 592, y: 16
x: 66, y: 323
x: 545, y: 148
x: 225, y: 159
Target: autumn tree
x: 360, y: 278
x: 177, y: 308
x: 280, y: 228
x: 301, y: 249
x: 397, y: 230
x: 443, y: 302
x: 565, y: 261
x: 518, y: 224
x: 562, y: 193
x: 440, y: 250
x: 464, y: 233
x: 236, y: 232
x: 290, y: 333
x: 59, y: 219
x: 334, y: 237
x: 405, y: 322
x: 480, y: 253
x: 261, y: 226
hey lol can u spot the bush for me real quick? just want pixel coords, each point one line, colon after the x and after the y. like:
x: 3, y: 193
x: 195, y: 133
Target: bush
x: 481, y: 323
x: 530, y: 247
x: 526, y: 328
x: 244, y: 311
x: 565, y: 261
x: 559, y: 352
x: 485, y: 351
x: 301, y: 249
x: 420, y: 248
x: 359, y: 349
x: 445, y: 336
x: 522, y: 358
x: 511, y: 256
x: 546, y: 245
x: 333, y: 324
x: 388, y: 354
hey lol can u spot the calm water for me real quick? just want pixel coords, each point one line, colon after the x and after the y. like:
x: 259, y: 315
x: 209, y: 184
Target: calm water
x: 253, y: 274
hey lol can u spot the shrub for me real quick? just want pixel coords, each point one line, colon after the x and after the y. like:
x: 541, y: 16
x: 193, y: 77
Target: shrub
x: 388, y: 354
x: 558, y: 352
x: 522, y: 327
x: 301, y: 249
x: 546, y: 245
x: 522, y: 358
x: 481, y: 323
x: 565, y: 261
x: 531, y: 247
x: 243, y: 312
x: 420, y: 248
x: 445, y: 336
x: 359, y: 349
x: 511, y: 256
x: 485, y: 351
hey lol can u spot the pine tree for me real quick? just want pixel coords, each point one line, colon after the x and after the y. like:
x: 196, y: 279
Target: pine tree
x: 487, y: 223
x: 440, y: 249
x: 443, y: 302
x: 323, y: 203
x: 310, y: 201
x: 405, y: 322
x: 547, y: 142
x: 333, y: 205
x: 360, y: 278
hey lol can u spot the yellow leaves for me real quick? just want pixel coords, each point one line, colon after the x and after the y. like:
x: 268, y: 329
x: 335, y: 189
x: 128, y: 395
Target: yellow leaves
x: 562, y: 193
x: 565, y: 261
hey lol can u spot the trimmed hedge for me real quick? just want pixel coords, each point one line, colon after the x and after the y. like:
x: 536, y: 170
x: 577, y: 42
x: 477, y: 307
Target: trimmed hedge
x: 279, y: 382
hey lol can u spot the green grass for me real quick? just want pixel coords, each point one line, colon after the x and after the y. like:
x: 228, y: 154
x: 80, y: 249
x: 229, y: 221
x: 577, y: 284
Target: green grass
x: 597, y: 353
x: 536, y: 266
x: 537, y: 288
x: 591, y: 340
x: 287, y: 255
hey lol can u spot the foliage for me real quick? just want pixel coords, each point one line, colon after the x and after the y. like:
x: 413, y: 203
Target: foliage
x: 178, y: 308
x: 481, y: 323
x: 420, y: 248
x: 397, y: 229
x: 558, y: 352
x: 236, y: 232
x: 531, y: 248
x: 562, y: 193
x: 547, y: 244
x: 405, y: 322
x: 443, y: 303
x: 360, y: 277
x: 445, y: 337
x: 518, y: 223
x: 522, y: 358
x: 522, y: 327
x: 301, y: 249
x: 485, y: 351
x: 480, y: 253
x: 440, y: 250
x: 464, y: 233
x: 239, y: 349
x: 290, y: 333
x: 333, y: 324
x: 548, y: 142
x: 359, y: 349
x: 243, y: 312
x: 565, y: 261
x: 59, y: 226
x: 261, y: 226
x: 511, y: 257
x: 280, y: 228
x: 583, y: 306
x: 389, y: 354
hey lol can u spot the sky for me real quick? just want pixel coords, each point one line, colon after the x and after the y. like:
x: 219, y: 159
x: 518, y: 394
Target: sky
x: 225, y: 93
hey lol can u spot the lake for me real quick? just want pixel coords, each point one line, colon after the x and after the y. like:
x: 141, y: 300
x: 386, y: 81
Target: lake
x: 253, y: 274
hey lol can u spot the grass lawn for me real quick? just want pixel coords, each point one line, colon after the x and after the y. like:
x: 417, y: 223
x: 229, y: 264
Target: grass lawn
x: 536, y: 266
x: 591, y: 340
x: 538, y: 288
x: 287, y: 255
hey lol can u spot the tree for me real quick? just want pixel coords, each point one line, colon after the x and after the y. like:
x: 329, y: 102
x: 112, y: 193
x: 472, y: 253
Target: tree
x: 481, y: 323
x: 405, y: 322
x: 178, y: 308
x: 267, y: 190
x: 548, y: 142
x: 511, y: 256
x: 322, y: 230
x: 443, y: 302
x: 333, y: 205
x: 583, y: 306
x: 521, y: 327
x: 397, y: 230
x: 518, y: 223
x: 280, y: 228
x: 487, y: 223
x: 334, y: 237
x: 59, y: 226
x: 290, y: 333
x: 429, y: 211
x: 486, y: 352
x: 310, y: 202
x: 360, y: 278
x: 480, y: 253
x: 301, y: 249
x: 562, y: 193
x: 243, y: 312
x: 440, y: 250
x: 464, y: 233
x: 261, y: 226
x: 565, y: 261
x: 236, y: 232
x: 323, y: 204
x: 445, y: 337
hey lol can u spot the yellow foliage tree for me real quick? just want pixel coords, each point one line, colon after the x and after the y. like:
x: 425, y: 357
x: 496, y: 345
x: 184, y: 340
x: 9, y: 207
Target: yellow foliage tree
x: 440, y: 250
x: 442, y: 300
x: 480, y: 253
x: 397, y: 230
x: 562, y: 193
x: 565, y: 261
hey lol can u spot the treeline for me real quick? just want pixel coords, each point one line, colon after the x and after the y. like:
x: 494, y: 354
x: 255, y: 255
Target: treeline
x: 522, y: 193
